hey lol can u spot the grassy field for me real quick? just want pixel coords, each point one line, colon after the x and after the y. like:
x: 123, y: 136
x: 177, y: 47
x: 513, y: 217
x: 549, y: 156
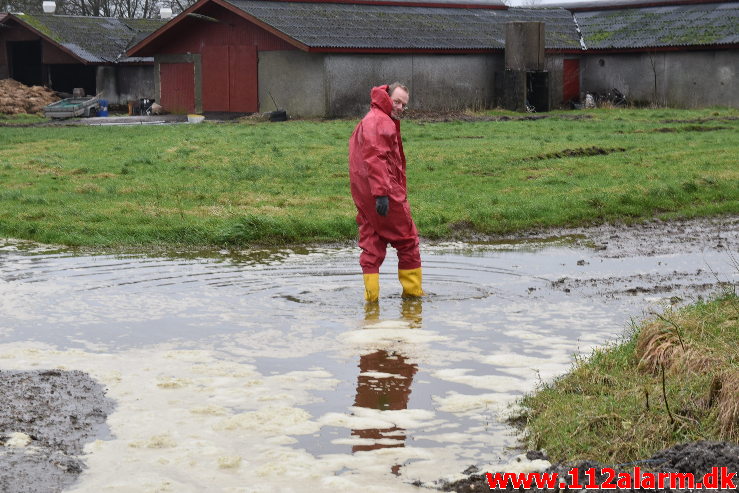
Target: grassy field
x: 276, y: 183
x: 617, y: 407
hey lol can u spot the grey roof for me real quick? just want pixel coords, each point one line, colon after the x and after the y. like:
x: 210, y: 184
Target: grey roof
x: 487, y: 3
x: 608, y: 4
x: 360, y: 26
x: 93, y: 39
x: 679, y: 25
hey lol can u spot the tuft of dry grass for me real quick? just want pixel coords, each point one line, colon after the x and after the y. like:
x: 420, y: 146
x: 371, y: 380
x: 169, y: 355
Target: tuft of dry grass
x: 660, y: 344
x: 727, y: 403
x: 676, y: 342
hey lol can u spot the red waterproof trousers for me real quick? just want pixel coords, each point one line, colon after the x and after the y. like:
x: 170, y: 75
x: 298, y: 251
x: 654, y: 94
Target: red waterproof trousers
x: 377, y: 168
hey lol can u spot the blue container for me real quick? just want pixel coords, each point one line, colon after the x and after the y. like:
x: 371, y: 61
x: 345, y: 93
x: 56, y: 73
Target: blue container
x: 103, y: 111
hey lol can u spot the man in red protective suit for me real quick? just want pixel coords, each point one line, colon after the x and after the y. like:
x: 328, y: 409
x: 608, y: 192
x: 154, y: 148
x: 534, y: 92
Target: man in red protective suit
x: 377, y: 176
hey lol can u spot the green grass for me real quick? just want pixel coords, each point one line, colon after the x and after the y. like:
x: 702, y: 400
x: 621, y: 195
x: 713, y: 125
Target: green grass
x: 611, y: 407
x: 266, y: 183
x: 22, y: 119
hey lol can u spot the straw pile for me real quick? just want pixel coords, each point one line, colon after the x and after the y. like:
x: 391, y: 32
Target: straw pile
x: 17, y: 98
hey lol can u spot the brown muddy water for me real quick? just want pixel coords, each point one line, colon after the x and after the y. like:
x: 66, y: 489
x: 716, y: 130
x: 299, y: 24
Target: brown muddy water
x: 265, y: 371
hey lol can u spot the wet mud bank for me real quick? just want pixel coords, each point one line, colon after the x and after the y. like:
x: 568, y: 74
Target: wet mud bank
x: 696, y: 458
x: 654, y: 237
x: 46, y: 418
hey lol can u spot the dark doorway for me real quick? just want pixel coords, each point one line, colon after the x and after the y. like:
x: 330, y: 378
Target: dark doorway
x: 25, y: 62
x: 537, y: 90
x: 66, y: 77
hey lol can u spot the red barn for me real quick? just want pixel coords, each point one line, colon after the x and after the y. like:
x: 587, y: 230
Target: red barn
x: 321, y: 57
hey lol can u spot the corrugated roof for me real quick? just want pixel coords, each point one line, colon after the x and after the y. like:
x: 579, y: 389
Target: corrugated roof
x: 93, y: 39
x: 626, y: 4
x: 664, y: 26
x: 360, y: 26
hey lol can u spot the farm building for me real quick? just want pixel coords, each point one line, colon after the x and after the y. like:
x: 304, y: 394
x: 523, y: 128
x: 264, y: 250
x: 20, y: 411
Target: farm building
x: 65, y: 52
x: 319, y: 58
x: 673, y: 55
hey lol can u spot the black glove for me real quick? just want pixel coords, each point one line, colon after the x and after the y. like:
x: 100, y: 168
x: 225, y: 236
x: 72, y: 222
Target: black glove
x: 381, y: 205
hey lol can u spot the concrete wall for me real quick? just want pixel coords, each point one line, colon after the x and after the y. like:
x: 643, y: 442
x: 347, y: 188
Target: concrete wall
x: 554, y: 65
x: 120, y: 84
x: 436, y: 82
x: 296, y: 81
x: 688, y: 79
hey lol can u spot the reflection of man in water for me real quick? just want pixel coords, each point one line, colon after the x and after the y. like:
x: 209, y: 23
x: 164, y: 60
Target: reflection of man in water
x: 388, y: 392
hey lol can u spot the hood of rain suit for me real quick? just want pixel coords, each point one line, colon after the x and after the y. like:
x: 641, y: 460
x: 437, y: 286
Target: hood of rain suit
x: 376, y: 159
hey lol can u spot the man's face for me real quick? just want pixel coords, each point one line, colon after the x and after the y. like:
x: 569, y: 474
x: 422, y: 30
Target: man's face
x: 399, y: 98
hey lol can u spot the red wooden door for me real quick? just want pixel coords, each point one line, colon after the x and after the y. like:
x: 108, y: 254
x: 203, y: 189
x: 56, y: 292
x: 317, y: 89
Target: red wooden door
x: 177, y: 81
x: 571, y: 89
x: 243, y: 89
x: 215, y: 78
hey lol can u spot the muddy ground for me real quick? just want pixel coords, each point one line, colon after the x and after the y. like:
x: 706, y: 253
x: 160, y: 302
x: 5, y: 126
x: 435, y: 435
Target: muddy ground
x: 649, y: 238
x: 697, y: 458
x: 46, y: 418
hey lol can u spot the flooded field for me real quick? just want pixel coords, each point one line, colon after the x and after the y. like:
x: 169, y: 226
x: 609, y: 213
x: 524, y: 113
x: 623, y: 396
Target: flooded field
x: 265, y: 371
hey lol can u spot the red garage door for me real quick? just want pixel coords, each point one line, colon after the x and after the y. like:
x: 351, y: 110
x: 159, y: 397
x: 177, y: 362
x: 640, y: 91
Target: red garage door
x: 243, y: 69
x: 215, y: 78
x: 177, y: 87
x: 230, y: 79
x: 571, y: 89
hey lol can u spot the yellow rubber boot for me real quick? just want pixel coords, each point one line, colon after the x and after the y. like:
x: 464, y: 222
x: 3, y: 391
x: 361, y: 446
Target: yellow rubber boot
x: 371, y: 287
x: 410, y: 279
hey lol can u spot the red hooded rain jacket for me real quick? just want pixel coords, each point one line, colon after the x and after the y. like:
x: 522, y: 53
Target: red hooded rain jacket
x: 377, y: 168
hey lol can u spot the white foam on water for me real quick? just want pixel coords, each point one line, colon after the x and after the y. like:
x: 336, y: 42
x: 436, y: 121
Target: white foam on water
x: 457, y: 403
x: 497, y: 383
x: 17, y: 439
x: 380, y: 375
x: 412, y: 343
x: 179, y: 424
x: 367, y: 441
x: 521, y: 464
x: 362, y: 418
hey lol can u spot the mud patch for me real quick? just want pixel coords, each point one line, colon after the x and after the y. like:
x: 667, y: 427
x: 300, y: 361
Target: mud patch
x: 648, y: 238
x: 677, y: 283
x: 687, y: 128
x: 704, y: 120
x: 695, y: 458
x: 579, y: 152
x: 46, y: 417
